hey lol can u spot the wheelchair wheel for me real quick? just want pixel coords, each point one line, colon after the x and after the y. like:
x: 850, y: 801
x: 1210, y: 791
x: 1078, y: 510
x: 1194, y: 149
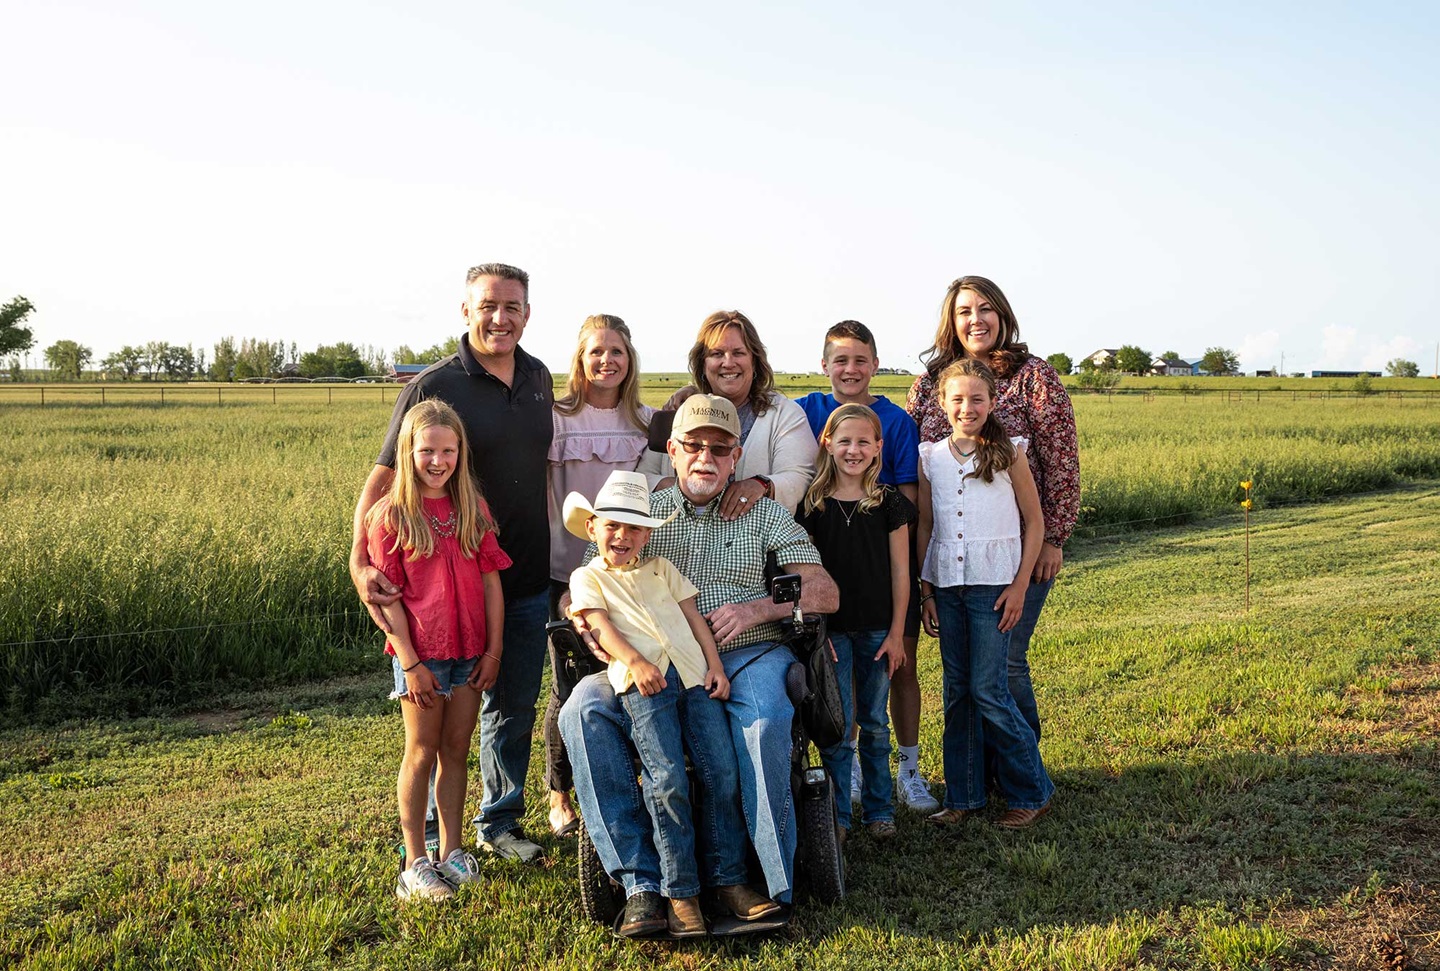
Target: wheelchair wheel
x: 823, y: 872
x: 601, y: 898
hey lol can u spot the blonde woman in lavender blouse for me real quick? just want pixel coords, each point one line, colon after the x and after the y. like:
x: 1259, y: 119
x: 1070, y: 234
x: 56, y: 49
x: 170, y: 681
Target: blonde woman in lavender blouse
x: 600, y: 426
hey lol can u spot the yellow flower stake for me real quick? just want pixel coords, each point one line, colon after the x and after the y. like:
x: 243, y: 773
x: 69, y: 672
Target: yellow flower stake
x: 1246, y: 504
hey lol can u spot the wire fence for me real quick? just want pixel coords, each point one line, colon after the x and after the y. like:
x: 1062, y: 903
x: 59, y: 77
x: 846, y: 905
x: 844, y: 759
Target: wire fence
x: 385, y: 393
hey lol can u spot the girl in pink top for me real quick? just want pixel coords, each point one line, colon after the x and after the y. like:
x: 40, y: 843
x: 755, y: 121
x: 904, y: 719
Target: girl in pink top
x: 432, y: 536
x: 600, y: 427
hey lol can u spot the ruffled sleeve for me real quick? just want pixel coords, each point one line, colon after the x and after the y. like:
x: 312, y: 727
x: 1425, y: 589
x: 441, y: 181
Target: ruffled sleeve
x: 899, y: 511
x: 492, y: 557
x: 379, y: 541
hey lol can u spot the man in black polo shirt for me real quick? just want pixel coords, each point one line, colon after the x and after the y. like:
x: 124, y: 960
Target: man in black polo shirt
x: 504, y: 396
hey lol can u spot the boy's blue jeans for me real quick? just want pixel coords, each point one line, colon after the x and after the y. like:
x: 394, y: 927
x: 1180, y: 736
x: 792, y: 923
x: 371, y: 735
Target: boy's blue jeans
x: 658, y: 723
x: 644, y: 836
x: 864, y: 703
x: 759, y: 716
x: 975, y: 656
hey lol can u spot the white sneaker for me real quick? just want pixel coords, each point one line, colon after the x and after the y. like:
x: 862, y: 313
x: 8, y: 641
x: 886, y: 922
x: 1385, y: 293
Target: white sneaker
x: 856, y: 785
x: 423, y: 882
x: 913, y: 792
x: 459, y: 867
x: 512, y: 845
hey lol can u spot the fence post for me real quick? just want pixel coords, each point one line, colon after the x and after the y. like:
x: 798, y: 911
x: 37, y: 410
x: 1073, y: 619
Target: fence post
x: 102, y: 394
x: 162, y: 394
x: 329, y: 396
x: 272, y: 394
x: 42, y: 397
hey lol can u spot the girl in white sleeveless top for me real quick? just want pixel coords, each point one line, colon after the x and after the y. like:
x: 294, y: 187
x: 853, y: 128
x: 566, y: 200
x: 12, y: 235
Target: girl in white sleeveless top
x: 980, y: 529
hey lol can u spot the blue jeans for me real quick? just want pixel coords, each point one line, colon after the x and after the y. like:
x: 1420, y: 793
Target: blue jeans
x: 759, y: 715
x: 975, y: 655
x: 657, y: 725
x: 865, y: 703
x: 507, y: 716
x: 628, y: 823
x: 1022, y: 689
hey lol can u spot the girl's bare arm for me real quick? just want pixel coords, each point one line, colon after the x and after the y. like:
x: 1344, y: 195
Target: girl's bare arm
x: 488, y: 670
x: 893, y: 649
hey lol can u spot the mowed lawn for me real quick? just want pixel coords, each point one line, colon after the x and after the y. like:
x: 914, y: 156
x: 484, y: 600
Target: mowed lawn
x: 1234, y: 791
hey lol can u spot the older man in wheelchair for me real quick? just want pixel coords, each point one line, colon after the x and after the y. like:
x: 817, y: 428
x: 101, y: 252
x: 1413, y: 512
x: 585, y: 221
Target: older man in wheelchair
x: 726, y: 562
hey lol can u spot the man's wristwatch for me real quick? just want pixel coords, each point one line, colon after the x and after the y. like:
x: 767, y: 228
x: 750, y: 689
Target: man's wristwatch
x: 765, y: 481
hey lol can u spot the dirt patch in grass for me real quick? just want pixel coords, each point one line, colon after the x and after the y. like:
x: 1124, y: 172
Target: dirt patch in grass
x: 1393, y: 929
x: 222, y: 720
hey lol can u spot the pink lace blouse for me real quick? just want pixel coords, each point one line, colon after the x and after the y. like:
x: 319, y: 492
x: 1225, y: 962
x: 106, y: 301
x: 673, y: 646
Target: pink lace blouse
x: 443, y: 594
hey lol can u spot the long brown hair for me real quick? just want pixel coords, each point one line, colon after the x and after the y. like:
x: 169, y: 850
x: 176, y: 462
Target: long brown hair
x: 994, y: 452
x: 404, y: 515
x: 826, y: 473
x: 711, y: 330
x: 1007, y: 355
x: 573, y: 399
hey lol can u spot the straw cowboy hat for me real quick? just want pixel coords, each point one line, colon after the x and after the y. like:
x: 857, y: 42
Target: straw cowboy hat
x: 624, y: 498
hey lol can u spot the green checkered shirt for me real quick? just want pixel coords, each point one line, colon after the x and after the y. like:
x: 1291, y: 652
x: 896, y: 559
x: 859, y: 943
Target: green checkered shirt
x: 726, y: 561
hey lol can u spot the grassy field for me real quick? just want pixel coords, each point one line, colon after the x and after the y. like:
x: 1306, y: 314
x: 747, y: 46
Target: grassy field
x: 1234, y: 791
x: 158, y: 551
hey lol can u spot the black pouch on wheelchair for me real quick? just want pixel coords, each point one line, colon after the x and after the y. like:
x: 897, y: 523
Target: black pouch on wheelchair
x: 571, y: 654
x: 821, y: 709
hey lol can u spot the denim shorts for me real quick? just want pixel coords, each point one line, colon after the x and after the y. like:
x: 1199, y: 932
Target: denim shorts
x: 450, y: 673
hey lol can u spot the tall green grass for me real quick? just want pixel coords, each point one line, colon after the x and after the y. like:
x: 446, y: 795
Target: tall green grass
x: 154, y: 550
x: 150, y: 550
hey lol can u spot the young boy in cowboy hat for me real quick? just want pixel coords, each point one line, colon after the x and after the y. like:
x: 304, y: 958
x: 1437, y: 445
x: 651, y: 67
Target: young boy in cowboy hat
x: 666, y: 671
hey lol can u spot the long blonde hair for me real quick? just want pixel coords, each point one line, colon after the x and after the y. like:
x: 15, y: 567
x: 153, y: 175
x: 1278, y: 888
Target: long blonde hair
x: 994, y: 452
x: 573, y: 399
x: 404, y: 515
x: 826, y: 473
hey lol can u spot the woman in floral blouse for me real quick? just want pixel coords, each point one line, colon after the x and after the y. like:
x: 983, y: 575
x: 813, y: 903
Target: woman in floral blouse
x: 976, y: 321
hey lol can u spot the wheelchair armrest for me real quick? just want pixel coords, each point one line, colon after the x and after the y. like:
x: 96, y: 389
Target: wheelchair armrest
x: 795, y: 685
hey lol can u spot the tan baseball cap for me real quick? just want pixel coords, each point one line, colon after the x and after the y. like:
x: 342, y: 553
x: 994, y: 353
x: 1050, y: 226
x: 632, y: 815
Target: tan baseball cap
x: 705, y: 411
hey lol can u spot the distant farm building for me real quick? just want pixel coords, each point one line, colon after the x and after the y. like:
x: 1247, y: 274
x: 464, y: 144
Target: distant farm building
x: 1173, y: 365
x: 404, y: 372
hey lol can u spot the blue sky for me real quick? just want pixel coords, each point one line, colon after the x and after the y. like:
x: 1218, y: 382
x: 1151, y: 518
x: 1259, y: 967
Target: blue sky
x: 1177, y: 176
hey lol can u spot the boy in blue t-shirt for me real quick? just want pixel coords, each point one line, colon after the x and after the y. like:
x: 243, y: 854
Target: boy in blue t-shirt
x: 850, y: 360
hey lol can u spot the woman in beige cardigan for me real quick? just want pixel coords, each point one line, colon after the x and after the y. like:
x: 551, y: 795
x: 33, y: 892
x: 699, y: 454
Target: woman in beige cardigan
x: 777, y: 447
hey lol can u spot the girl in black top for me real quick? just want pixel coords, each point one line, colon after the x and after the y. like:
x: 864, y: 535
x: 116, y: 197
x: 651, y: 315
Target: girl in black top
x: 862, y: 529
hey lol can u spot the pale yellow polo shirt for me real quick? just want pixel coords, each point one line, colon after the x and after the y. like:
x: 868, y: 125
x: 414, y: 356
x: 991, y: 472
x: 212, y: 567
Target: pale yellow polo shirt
x: 643, y: 602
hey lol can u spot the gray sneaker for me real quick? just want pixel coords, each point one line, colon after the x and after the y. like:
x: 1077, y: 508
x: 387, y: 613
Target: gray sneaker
x: 857, y: 790
x: 915, y: 793
x: 459, y: 867
x: 512, y: 845
x: 423, y: 882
